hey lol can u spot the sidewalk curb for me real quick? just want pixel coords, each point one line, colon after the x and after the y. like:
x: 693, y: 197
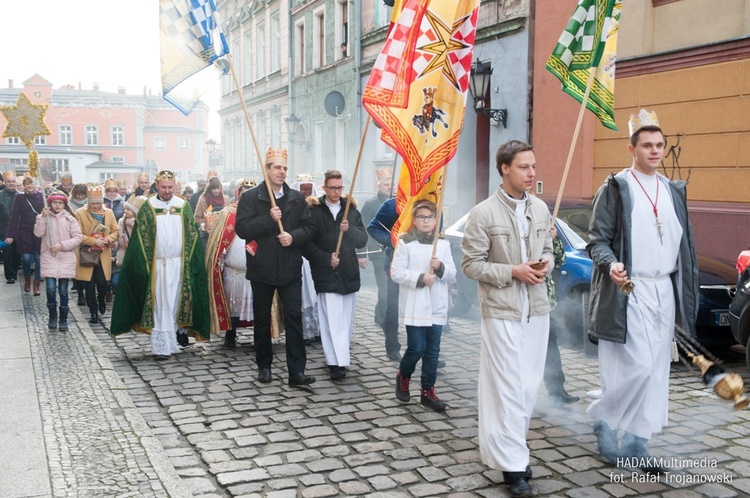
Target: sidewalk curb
x: 153, y: 448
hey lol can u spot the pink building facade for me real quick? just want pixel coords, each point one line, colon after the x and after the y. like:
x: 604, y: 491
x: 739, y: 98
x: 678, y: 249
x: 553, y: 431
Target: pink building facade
x: 97, y: 135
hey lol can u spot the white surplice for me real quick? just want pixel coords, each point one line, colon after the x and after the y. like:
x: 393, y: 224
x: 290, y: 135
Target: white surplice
x: 635, y: 375
x: 336, y: 326
x: 237, y: 289
x: 511, y: 368
x: 168, y: 279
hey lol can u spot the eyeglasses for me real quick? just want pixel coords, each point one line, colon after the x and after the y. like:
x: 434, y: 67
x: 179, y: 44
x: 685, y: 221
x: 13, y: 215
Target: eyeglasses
x: 335, y: 189
x: 422, y: 217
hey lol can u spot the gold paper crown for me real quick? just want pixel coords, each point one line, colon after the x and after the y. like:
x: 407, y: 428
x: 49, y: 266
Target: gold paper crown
x: 279, y: 156
x: 121, y: 183
x: 94, y: 191
x: 211, y: 174
x: 164, y: 175
x: 383, y: 173
x: 643, y: 118
x: 303, y: 178
x: 110, y: 183
x: 246, y: 183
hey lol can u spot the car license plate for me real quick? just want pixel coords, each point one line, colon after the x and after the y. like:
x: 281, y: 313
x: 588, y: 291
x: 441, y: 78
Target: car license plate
x: 721, y: 318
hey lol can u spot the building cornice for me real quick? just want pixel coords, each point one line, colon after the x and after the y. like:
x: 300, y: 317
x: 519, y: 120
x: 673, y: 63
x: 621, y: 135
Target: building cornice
x: 684, y: 58
x: 252, y: 100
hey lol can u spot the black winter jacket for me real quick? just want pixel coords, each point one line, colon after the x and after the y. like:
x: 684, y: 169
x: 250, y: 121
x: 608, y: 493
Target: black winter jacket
x: 272, y: 263
x: 345, y: 278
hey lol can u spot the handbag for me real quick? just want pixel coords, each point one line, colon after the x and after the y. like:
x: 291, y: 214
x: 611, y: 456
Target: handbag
x: 87, y: 257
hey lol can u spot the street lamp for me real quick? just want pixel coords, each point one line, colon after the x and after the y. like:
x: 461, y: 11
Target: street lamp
x: 479, y: 83
x: 292, y: 126
x: 214, y: 159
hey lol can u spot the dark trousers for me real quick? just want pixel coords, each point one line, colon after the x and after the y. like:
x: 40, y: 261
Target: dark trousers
x: 291, y: 300
x: 381, y: 280
x: 11, y: 260
x: 422, y: 343
x: 95, y: 290
x: 390, y: 326
x: 53, y: 287
x: 554, y: 378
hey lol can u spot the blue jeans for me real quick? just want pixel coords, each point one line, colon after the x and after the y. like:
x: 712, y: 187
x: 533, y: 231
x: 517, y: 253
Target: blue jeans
x: 54, y: 285
x: 26, y: 259
x: 424, y: 343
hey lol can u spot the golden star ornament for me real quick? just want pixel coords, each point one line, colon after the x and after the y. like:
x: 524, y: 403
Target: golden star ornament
x: 25, y: 120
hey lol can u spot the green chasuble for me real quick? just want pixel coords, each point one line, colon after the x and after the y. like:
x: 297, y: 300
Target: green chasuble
x: 134, y: 299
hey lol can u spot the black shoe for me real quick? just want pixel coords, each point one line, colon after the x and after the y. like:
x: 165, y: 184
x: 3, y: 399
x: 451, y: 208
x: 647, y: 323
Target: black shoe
x: 520, y: 487
x: 337, y: 373
x: 94, y: 317
x: 182, y: 340
x: 52, y: 309
x: 10, y: 281
x: 402, y: 388
x: 563, y: 398
x: 300, y: 379
x: 428, y: 398
x: 161, y: 357
x: 264, y: 375
x: 606, y: 440
x: 230, y: 339
x: 81, y: 300
x: 634, y: 448
x: 63, y: 326
x: 102, y: 308
x: 529, y: 474
x: 395, y: 356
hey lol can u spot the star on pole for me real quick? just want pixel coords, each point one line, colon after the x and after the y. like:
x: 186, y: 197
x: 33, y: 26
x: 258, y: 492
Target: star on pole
x: 25, y: 120
x: 443, y: 46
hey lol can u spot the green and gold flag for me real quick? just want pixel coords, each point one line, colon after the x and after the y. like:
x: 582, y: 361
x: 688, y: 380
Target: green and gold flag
x: 590, y: 40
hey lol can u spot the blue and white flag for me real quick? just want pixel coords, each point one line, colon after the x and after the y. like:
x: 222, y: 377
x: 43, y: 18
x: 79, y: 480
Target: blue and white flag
x: 192, y: 44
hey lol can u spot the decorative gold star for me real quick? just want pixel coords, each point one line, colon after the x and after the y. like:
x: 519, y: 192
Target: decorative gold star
x: 25, y: 120
x: 443, y: 46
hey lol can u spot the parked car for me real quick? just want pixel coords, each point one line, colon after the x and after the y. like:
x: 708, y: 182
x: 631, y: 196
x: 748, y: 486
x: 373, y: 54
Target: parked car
x: 573, y: 282
x: 739, y: 309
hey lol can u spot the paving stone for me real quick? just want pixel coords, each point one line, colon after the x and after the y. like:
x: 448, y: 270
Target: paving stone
x: 342, y: 475
x: 354, y: 488
x: 371, y: 470
x: 428, y: 489
x: 586, y: 492
x: 714, y: 490
x: 320, y: 491
x: 467, y: 483
x: 325, y: 465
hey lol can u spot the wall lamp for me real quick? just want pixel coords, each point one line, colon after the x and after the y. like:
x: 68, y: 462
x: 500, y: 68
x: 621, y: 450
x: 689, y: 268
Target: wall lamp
x: 292, y: 126
x: 479, y: 83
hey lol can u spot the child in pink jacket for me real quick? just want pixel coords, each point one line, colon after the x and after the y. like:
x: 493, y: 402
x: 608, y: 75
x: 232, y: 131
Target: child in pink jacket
x: 61, y: 235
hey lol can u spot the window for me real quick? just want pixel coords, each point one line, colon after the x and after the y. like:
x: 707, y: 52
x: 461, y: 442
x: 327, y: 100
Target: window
x: 275, y: 129
x: 118, y: 159
x: 319, y: 38
x: 235, y: 49
x: 300, y: 55
x: 118, y: 136
x: 261, y: 129
x: 40, y: 140
x: 274, y: 61
x: 342, y: 29
x: 65, y: 134
x: 382, y: 14
x: 19, y: 162
x: 160, y: 143
x: 260, y: 50
x: 92, y: 135
x: 248, y: 57
x: 59, y: 167
x: 13, y: 141
x: 183, y: 143
x: 103, y: 177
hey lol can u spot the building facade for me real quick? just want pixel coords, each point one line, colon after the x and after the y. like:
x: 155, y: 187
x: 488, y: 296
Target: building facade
x: 95, y: 135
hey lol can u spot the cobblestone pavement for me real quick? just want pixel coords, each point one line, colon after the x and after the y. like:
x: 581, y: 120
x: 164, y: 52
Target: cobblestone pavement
x: 228, y: 435
x: 97, y: 442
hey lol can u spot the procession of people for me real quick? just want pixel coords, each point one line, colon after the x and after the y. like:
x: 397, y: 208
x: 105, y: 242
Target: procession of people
x: 276, y: 258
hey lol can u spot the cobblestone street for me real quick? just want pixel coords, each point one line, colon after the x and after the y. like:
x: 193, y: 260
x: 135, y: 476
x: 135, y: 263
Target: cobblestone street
x: 227, y: 435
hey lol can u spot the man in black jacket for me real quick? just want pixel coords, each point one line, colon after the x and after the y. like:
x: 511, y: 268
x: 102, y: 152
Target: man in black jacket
x: 7, y: 197
x: 277, y: 264
x: 377, y: 256
x: 336, y: 276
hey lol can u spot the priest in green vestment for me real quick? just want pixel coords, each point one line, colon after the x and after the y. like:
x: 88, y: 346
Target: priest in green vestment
x: 163, y: 289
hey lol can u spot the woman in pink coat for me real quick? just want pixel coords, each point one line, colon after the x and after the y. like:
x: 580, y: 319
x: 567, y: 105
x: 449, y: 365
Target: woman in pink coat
x: 61, y: 235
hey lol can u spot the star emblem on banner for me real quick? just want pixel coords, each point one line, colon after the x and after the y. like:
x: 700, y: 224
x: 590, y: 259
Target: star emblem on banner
x: 25, y: 120
x: 443, y: 46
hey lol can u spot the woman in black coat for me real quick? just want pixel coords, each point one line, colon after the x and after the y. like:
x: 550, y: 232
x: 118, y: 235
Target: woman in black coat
x: 21, y: 230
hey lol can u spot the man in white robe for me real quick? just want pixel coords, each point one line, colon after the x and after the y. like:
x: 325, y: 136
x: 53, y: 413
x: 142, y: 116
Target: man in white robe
x: 162, y: 286
x: 508, y: 249
x: 639, y: 232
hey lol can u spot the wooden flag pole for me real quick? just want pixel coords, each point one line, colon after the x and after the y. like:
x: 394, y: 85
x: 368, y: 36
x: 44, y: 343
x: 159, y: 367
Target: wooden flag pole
x: 252, y: 134
x: 354, y: 179
x: 573, y: 143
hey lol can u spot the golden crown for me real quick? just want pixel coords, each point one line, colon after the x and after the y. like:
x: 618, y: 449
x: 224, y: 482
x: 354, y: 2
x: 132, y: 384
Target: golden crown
x: 383, y: 173
x: 279, y: 156
x: 246, y: 183
x: 643, y: 118
x: 110, y: 183
x: 94, y: 191
x: 164, y: 175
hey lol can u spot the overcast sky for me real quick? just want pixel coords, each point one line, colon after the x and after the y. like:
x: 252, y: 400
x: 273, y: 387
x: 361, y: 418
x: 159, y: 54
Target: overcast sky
x: 110, y: 42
